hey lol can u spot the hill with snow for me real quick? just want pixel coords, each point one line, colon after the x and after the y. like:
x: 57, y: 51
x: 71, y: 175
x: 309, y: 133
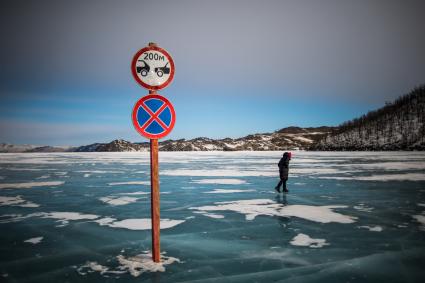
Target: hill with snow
x: 399, y: 125
x: 287, y: 138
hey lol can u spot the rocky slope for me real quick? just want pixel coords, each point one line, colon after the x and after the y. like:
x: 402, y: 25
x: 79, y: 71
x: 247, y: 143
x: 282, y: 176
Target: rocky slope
x: 114, y: 146
x: 399, y: 125
x: 287, y: 138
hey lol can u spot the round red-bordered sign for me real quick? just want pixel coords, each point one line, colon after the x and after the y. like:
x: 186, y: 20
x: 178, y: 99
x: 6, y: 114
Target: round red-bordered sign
x: 153, y: 67
x: 153, y: 116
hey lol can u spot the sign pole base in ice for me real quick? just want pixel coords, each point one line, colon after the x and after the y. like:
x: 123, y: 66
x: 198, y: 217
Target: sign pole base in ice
x: 153, y: 117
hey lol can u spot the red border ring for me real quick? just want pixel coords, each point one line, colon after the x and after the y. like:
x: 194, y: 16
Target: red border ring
x: 145, y: 85
x: 136, y: 123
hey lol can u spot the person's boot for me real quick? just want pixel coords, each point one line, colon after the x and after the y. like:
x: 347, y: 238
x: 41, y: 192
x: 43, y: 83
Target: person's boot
x: 285, y: 190
x: 277, y: 189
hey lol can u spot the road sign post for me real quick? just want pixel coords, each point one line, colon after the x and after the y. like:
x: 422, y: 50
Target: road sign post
x: 153, y: 117
x: 155, y: 212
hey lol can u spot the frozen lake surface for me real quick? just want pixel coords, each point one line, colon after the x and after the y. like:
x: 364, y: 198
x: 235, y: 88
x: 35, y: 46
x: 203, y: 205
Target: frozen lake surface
x: 85, y: 217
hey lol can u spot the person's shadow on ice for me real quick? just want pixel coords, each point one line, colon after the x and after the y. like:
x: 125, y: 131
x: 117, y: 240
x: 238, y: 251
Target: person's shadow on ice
x: 281, y: 199
x: 284, y: 221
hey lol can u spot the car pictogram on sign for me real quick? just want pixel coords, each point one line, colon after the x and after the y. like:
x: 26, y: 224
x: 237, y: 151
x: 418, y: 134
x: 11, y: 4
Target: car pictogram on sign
x: 144, y: 69
x: 160, y: 71
x: 153, y: 116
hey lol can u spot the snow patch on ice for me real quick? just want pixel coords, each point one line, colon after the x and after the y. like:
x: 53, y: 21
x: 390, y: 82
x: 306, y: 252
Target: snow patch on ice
x: 224, y: 191
x: 382, y: 177
x: 421, y: 219
x: 322, y: 214
x: 105, y: 221
x: 220, y: 181
x: 64, y: 217
x: 28, y: 169
x: 137, y: 223
x: 372, y: 228
x: 135, y: 193
x: 30, y: 185
x: 329, y: 197
x: 92, y: 266
x: 210, y: 215
x: 215, y: 216
x: 318, y: 171
x: 305, y: 241
x: 99, y: 172
x: 141, y: 263
x: 118, y: 200
x: 421, y: 204
x: 257, y: 207
x: 9, y: 218
x: 16, y: 201
x: 87, y: 175
x: 395, y: 177
x: 44, y: 177
x: 218, y: 173
x: 34, y: 241
x: 135, y: 265
x: 362, y: 207
x: 419, y: 165
x: 130, y: 183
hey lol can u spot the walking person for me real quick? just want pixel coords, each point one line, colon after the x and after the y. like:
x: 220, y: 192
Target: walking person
x: 283, y: 172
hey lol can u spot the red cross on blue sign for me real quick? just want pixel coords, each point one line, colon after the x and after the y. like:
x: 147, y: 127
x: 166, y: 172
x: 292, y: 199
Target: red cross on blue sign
x: 153, y: 116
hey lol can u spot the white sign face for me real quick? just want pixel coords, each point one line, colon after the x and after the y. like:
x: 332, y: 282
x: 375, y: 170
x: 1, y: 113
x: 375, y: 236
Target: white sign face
x: 153, y: 67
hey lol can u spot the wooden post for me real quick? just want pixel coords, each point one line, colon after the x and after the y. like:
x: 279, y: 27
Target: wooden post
x: 155, y: 213
x: 155, y: 202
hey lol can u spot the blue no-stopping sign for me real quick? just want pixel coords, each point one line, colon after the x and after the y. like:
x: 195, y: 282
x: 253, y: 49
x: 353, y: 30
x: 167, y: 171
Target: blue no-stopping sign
x: 153, y: 116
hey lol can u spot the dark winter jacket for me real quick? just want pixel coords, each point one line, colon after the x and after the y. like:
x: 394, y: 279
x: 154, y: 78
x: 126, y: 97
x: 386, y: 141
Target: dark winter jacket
x: 284, y: 167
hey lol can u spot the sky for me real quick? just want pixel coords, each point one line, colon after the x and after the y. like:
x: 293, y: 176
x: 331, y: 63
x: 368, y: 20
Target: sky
x: 242, y: 67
